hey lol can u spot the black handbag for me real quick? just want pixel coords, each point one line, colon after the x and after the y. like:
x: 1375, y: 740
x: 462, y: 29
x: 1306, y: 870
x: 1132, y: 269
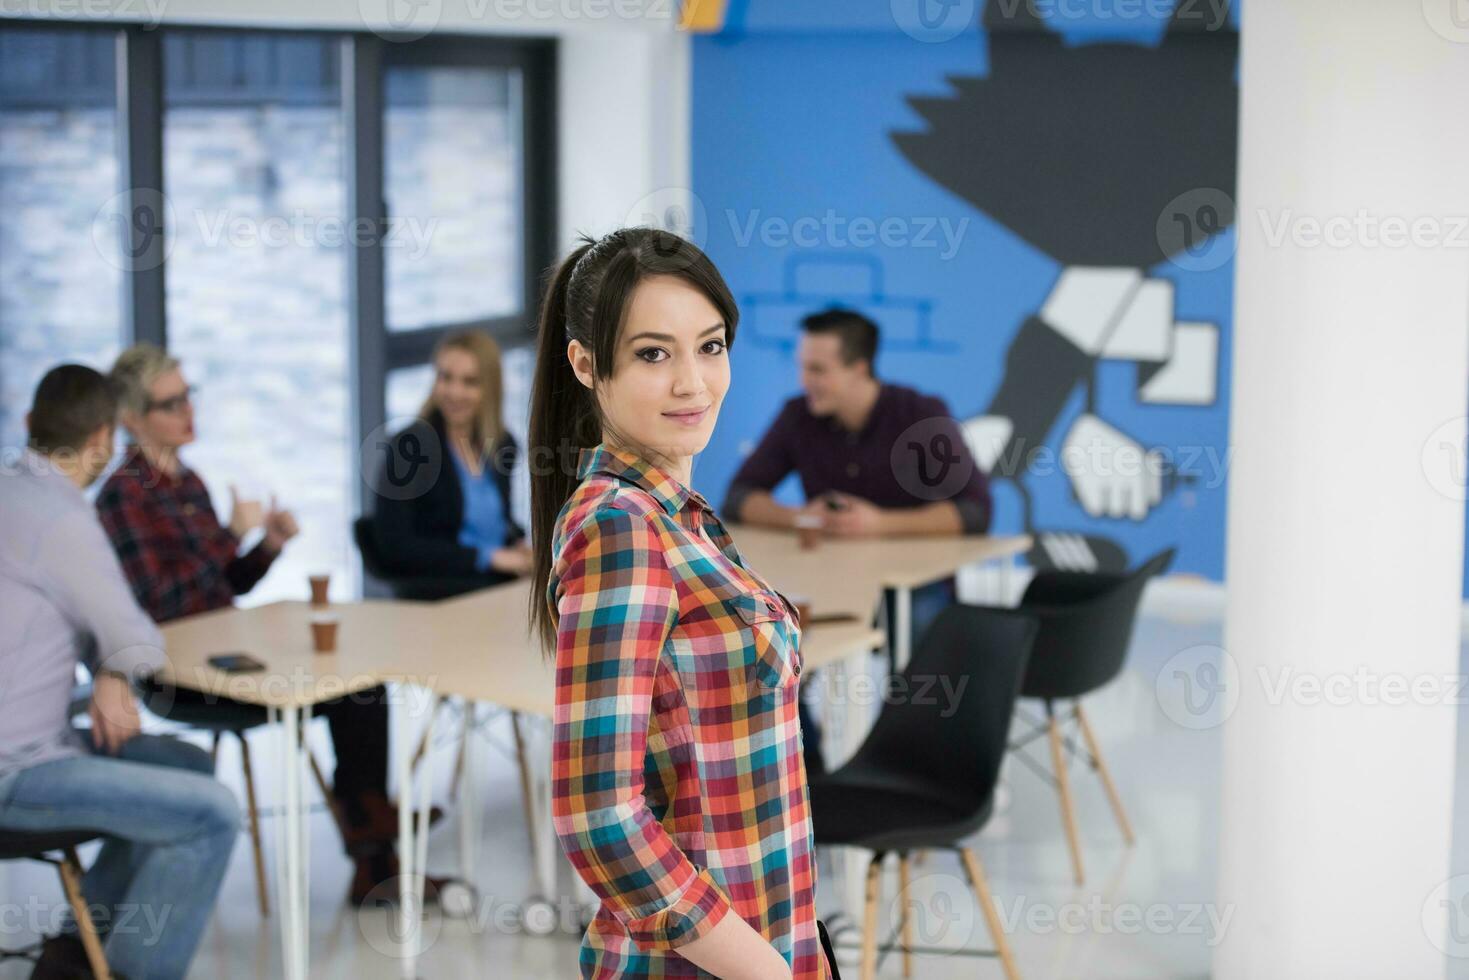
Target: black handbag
x: 831, y: 956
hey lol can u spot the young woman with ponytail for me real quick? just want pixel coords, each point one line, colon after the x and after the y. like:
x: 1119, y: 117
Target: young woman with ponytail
x: 679, y: 792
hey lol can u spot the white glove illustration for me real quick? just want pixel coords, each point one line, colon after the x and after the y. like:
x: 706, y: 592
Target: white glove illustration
x: 1112, y: 475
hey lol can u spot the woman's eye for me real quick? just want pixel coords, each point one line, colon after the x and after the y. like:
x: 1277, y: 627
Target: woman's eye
x: 646, y: 353
x: 718, y: 346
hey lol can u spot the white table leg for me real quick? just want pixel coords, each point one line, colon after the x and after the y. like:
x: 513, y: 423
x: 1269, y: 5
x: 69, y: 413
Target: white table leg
x: 853, y: 730
x: 1007, y: 581
x: 292, y: 872
x: 903, y: 625
x: 543, y: 839
x: 420, y: 863
x: 468, y: 798
x: 282, y: 885
x: 303, y: 829
x: 410, y: 914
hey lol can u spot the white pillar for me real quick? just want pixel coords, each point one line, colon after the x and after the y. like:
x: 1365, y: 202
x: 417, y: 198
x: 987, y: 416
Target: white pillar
x: 1345, y: 537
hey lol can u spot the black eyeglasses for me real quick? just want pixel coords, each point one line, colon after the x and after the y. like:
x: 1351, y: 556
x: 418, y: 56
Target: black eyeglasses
x: 176, y: 404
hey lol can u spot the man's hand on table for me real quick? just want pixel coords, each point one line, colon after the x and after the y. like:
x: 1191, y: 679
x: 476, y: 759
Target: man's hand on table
x: 855, y: 518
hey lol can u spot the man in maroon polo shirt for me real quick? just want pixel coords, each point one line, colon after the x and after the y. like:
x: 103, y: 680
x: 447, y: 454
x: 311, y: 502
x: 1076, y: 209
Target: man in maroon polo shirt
x: 874, y: 458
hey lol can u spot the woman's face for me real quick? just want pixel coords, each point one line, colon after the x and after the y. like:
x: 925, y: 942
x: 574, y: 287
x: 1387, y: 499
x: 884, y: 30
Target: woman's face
x: 457, y: 390
x: 670, y: 369
x: 168, y: 421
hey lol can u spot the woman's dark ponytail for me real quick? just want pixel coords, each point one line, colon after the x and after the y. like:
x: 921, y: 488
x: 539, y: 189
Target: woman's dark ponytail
x: 586, y: 300
x: 563, y: 419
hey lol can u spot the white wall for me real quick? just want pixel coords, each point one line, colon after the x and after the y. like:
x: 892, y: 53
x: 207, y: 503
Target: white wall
x: 624, y: 129
x: 1346, y: 496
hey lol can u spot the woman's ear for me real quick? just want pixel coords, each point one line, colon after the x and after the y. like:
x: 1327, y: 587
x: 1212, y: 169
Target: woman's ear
x: 581, y: 363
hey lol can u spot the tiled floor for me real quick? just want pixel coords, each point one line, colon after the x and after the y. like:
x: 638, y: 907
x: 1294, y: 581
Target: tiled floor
x: 1144, y: 912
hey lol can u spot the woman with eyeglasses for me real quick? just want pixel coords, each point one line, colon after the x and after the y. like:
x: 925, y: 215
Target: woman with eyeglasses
x: 678, y: 788
x: 181, y: 560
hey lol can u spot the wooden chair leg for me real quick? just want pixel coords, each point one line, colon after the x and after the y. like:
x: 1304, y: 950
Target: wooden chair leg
x: 71, y: 883
x: 1063, y: 784
x: 326, y: 791
x: 1112, y: 795
x: 869, y: 919
x: 991, y: 914
x: 905, y: 917
x: 252, y: 809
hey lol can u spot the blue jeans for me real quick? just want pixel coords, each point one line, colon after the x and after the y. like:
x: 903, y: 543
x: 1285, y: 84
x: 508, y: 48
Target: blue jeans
x: 169, y: 830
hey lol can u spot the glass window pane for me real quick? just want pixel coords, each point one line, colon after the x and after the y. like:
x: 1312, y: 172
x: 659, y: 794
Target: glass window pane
x: 452, y: 185
x: 407, y: 387
x: 256, y: 285
x: 60, y: 255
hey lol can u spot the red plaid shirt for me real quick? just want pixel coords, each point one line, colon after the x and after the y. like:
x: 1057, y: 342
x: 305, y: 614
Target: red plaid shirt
x: 178, y: 558
x: 678, y: 787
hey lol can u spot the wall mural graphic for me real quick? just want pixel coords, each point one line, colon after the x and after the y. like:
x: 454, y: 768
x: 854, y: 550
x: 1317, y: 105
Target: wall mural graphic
x: 1110, y: 158
x: 819, y: 280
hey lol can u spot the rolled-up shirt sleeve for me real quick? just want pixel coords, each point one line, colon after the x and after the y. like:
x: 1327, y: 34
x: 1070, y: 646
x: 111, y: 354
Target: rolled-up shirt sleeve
x: 972, y: 499
x: 617, y: 603
x: 87, y: 578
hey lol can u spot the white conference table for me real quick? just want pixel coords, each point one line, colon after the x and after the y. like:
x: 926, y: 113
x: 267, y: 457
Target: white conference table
x: 294, y: 679
x: 839, y: 572
x: 477, y: 647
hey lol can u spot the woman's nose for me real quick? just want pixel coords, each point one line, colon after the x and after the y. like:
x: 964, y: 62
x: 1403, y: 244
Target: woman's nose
x: 688, y: 380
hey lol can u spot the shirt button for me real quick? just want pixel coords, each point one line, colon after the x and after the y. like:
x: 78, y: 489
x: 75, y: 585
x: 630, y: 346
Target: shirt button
x: 798, y: 669
x: 853, y: 469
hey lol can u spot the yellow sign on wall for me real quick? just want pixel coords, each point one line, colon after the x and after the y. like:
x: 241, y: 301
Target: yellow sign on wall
x: 702, y: 16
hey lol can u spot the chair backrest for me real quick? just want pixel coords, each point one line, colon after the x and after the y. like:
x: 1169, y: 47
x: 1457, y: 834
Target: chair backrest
x: 420, y: 588
x: 947, y: 723
x: 372, y: 557
x: 1086, y: 622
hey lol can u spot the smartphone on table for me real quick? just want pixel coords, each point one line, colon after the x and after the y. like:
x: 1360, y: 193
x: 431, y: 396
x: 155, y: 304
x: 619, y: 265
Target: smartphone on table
x: 236, y: 663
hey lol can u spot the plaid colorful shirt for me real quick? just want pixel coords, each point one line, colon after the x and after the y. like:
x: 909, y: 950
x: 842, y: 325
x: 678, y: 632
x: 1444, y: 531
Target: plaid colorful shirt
x: 678, y: 787
x: 178, y: 558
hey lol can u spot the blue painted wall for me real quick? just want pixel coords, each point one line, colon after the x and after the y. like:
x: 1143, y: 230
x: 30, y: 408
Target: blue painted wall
x: 793, y: 107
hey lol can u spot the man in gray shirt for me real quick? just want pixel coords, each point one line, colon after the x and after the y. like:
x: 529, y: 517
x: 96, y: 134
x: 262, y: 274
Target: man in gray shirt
x: 168, y: 826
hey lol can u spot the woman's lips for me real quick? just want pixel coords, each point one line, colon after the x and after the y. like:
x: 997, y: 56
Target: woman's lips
x: 688, y: 418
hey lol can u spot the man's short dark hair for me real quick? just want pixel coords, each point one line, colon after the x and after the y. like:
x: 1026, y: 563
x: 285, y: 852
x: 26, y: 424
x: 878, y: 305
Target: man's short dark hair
x: 72, y: 402
x: 858, y: 335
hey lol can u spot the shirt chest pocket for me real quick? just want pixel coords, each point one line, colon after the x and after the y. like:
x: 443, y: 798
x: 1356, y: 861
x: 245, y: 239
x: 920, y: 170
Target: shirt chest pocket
x: 770, y: 636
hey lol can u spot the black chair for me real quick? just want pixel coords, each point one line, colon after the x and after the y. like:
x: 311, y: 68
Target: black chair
x: 59, y: 848
x: 419, y: 588
x: 1086, y: 623
x: 925, y: 776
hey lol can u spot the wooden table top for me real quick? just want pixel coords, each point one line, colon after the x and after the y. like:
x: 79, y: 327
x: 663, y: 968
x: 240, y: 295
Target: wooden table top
x: 479, y: 646
x: 279, y: 635
x: 905, y: 562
